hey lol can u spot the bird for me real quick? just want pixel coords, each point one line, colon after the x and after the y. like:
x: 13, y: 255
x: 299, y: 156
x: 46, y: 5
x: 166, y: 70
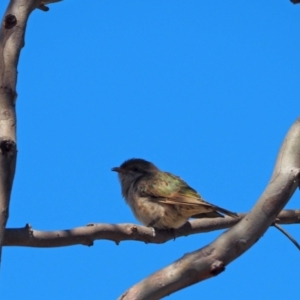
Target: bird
x: 160, y: 199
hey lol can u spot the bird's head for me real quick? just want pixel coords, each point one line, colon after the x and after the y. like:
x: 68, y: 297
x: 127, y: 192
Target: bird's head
x: 134, y: 168
x: 131, y: 170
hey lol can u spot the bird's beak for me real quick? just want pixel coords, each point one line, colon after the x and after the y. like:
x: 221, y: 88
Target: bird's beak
x: 117, y: 169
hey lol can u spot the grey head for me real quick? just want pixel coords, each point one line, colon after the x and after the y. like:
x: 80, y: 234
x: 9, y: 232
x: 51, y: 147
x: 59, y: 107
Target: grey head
x: 131, y: 170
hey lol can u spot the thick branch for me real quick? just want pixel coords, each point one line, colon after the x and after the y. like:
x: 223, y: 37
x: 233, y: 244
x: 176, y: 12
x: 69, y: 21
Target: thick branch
x: 86, y: 235
x: 11, y: 42
x: 213, y: 258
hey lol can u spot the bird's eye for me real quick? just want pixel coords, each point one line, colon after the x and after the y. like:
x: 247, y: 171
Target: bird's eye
x: 135, y: 169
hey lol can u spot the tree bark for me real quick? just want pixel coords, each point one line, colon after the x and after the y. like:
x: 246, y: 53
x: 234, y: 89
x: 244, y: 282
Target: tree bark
x: 11, y: 42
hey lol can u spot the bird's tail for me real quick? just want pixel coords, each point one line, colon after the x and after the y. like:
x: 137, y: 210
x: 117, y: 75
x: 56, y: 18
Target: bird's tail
x: 225, y: 211
x: 212, y: 214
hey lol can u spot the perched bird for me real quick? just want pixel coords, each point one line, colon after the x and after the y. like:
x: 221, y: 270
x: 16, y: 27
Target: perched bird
x: 160, y: 199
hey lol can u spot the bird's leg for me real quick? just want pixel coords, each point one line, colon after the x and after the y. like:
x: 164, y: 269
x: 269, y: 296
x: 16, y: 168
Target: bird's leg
x: 151, y: 225
x: 153, y: 222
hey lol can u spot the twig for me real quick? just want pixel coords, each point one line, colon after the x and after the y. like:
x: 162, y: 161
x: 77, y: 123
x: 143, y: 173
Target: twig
x: 287, y: 235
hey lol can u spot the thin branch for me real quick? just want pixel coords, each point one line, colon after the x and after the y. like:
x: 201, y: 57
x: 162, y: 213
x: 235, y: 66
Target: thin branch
x: 86, y: 235
x: 212, y: 259
x: 287, y: 235
x: 12, y: 34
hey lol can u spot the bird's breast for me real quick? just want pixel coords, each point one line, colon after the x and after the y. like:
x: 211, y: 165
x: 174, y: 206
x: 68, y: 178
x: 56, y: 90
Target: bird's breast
x: 152, y: 213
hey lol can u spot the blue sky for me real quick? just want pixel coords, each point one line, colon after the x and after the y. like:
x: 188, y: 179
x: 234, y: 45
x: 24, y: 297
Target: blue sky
x: 205, y: 89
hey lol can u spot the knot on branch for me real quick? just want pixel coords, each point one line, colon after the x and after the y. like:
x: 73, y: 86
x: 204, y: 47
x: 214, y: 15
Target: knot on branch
x: 88, y: 242
x: 217, y: 268
x: 5, y: 214
x: 43, y: 7
x: 10, y: 21
x: 42, y: 3
x: 29, y: 230
x: 8, y: 147
x: 134, y: 230
x: 10, y: 92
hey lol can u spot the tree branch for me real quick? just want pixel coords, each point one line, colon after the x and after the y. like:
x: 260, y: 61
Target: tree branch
x: 11, y: 42
x: 212, y: 259
x: 86, y: 235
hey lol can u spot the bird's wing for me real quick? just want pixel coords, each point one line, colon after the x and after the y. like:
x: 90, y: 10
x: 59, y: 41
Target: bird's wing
x: 167, y: 188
